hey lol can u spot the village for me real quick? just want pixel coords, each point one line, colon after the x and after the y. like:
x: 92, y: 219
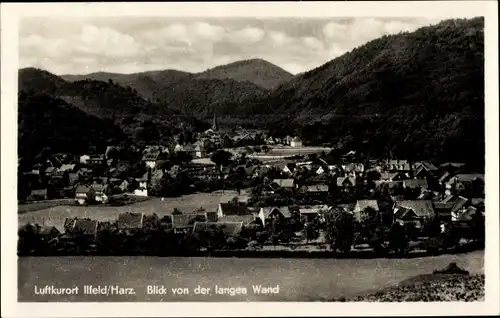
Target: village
x: 294, y: 199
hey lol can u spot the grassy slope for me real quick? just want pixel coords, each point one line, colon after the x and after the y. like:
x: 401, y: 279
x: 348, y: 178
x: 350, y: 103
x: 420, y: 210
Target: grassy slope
x: 435, y: 287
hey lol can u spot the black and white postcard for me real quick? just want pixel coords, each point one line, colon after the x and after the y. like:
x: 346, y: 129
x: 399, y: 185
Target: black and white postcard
x: 250, y: 158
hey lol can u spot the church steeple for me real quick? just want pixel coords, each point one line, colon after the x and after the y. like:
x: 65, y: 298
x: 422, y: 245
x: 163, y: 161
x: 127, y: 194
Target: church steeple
x: 215, y: 125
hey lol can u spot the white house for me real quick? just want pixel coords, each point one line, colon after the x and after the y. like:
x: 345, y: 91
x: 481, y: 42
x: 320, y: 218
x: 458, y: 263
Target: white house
x: 84, y: 159
x: 178, y: 148
x: 142, y: 189
x: 82, y: 194
x: 150, y: 158
x: 320, y: 170
x: 296, y: 142
x: 98, y: 192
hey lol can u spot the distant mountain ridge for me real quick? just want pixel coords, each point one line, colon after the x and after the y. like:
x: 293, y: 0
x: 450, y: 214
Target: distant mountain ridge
x: 253, y: 77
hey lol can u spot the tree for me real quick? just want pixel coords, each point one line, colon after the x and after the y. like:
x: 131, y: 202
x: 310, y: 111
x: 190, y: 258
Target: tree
x: 398, y: 240
x: 311, y: 231
x: 221, y: 157
x: 212, y: 238
x: 265, y: 149
x: 339, y: 230
x: 181, y: 157
x: 432, y: 227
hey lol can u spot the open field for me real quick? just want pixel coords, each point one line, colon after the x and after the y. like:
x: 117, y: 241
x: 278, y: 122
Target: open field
x: 298, y: 279
x: 55, y: 216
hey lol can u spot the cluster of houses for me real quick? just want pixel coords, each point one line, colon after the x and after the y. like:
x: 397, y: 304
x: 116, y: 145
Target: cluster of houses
x: 232, y: 218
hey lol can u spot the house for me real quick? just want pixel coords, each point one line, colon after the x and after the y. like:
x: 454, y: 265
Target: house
x: 228, y: 228
x: 424, y: 169
x: 130, y: 221
x: 97, y: 191
x: 465, y: 182
x: 142, y: 187
x: 450, y: 205
x: 243, y: 219
x: 189, y: 148
x: 465, y: 215
x: 70, y: 168
x: 285, y: 183
x: 124, y: 185
x: 200, y: 149
x: 346, y: 182
x: 286, y: 168
x: 178, y: 148
x: 309, y: 213
x: 317, y: 190
x: 232, y: 209
x: 47, y: 233
x: 398, y: 165
x: 38, y: 194
x: 354, y: 169
x: 96, y: 160
x: 85, y: 174
x: 392, y: 176
x: 270, y: 141
x: 415, y: 184
x: 50, y: 171
x: 296, y: 142
x: 321, y: 170
x: 268, y: 214
x: 426, y: 195
x: 444, y: 178
x: 184, y: 223
x: 414, y: 211
x: 79, y: 226
x: 150, y: 158
x: 82, y: 194
x: 361, y: 206
x: 84, y: 159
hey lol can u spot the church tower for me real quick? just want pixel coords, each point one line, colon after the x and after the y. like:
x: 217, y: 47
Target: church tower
x: 215, y: 125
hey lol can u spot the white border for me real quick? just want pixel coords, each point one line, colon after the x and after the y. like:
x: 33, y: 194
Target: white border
x: 10, y: 14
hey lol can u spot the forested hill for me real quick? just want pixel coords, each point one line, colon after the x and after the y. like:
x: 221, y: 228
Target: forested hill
x: 256, y: 71
x: 419, y: 93
x: 47, y: 123
x: 78, y: 117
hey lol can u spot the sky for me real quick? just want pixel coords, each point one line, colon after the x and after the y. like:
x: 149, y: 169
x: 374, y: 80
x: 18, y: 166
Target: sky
x: 132, y: 44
